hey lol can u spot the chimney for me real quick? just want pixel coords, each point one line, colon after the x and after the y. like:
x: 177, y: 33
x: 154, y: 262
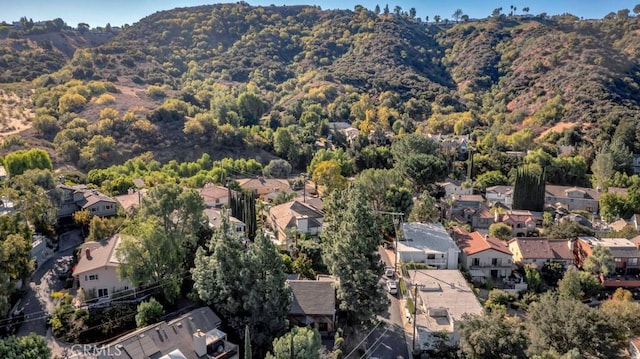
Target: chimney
x: 88, y: 253
x: 200, y: 343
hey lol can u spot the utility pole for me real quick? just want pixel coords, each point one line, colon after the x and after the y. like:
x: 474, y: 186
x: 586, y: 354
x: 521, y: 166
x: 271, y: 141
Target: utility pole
x: 398, y: 218
x: 415, y: 310
x: 304, y: 187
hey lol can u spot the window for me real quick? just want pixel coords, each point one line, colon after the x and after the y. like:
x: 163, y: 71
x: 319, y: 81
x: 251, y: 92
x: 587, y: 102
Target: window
x: 238, y: 229
x: 91, y: 277
x: 323, y: 327
x: 104, y: 292
x: 632, y: 261
x: 495, y: 262
x: 617, y: 260
x: 475, y: 262
x: 94, y: 209
x: 589, y: 209
x: 431, y: 256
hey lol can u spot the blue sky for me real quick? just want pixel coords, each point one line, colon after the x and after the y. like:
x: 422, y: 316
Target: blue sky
x: 118, y: 12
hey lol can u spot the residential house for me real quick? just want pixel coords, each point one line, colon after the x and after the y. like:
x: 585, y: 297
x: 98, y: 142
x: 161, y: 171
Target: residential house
x: 452, y: 188
x: 313, y: 304
x: 538, y: 251
x: 457, y: 144
x: 267, y: 188
x: 194, y: 335
x: 500, y: 194
x: 443, y: 297
x: 97, y: 268
x: 81, y: 197
x: 483, y: 253
x: 618, y: 225
x: 625, y: 253
x: 351, y: 134
x: 572, y: 198
x: 295, y: 216
x: 132, y: 199
x: 464, y: 206
x: 482, y: 218
x: 214, y: 196
x: 3, y: 174
x: 522, y: 223
x: 215, y: 221
x: 427, y: 243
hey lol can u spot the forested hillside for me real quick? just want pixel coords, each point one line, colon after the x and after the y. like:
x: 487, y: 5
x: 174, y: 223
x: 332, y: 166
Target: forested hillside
x: 267, y: 80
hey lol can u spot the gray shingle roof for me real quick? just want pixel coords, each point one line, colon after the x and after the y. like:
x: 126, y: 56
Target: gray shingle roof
x: 312, y: 297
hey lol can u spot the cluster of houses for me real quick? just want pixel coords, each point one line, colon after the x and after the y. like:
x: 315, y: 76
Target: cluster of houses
x: 443, y: 295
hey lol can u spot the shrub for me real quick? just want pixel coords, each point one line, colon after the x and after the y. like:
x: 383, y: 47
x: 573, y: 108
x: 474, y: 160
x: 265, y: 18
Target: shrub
x: 105, y: 99
x: 156, y: 92
x: 149, y: 312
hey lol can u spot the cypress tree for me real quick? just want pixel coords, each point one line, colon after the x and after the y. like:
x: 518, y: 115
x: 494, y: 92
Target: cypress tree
x: 529, y: 190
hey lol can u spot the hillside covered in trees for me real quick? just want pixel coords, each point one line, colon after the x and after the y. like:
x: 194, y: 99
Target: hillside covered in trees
x: 256, y: 80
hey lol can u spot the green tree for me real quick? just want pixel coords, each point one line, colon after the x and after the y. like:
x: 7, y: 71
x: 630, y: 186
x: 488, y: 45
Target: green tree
x: 305, y: 341
x: 492, y: 335
x: 217, y: 275
x: 567, y: 230
x: 612, y: 206
x: 251, y: 108
x: 148, y: 312
x: 529, y: 190
x: 269, y: 297
x: 576, y: 284
x: 18, y: 162
x: 15, y: 256
x: 283, y: 142
x: 532, y: 278
x: 32, y: 346
x: 350, y: 252
x: 490, y: 179
x: 622, y: 309
x: 500, y: 230
x: 278, y: 168
x: 602, y: 169
x: 83, y: 219
x: 600, y: 261
x: 149, y: 255
x: 425, y: 209
x: 565, y: 325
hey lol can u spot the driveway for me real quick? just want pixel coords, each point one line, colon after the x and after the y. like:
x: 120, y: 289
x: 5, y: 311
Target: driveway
x: 37, y: 301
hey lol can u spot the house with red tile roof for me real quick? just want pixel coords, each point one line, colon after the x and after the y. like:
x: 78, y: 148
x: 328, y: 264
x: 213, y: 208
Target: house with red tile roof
x: 483, y: 253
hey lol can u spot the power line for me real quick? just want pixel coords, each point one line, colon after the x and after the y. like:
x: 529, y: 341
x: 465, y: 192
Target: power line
x: 362, y: 341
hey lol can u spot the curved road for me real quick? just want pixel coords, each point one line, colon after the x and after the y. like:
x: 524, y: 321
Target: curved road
x: 36, y: 301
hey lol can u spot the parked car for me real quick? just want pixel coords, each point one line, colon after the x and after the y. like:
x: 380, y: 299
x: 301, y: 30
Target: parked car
x: 389, y: 273
x: 392, y: 287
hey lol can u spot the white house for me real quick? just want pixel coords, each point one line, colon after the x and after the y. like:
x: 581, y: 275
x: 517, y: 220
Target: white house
x: 454, y: 188
x: 442, y: 298
x: 500, y: 194
x: 215, y: 220
x: 483, y: 253
x: 97, y: 268
x: 428, y: 243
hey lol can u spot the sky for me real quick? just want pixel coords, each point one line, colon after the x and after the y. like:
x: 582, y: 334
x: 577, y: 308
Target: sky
x: 119, y: 12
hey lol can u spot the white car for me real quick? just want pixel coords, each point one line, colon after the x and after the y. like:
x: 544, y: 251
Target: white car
x: 388, y: 272
x: 392, y: 287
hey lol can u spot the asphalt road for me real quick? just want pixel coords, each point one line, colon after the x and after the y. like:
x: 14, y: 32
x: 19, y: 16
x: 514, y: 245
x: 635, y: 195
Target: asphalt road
x: 388, y: 341
x: 36, y: 301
